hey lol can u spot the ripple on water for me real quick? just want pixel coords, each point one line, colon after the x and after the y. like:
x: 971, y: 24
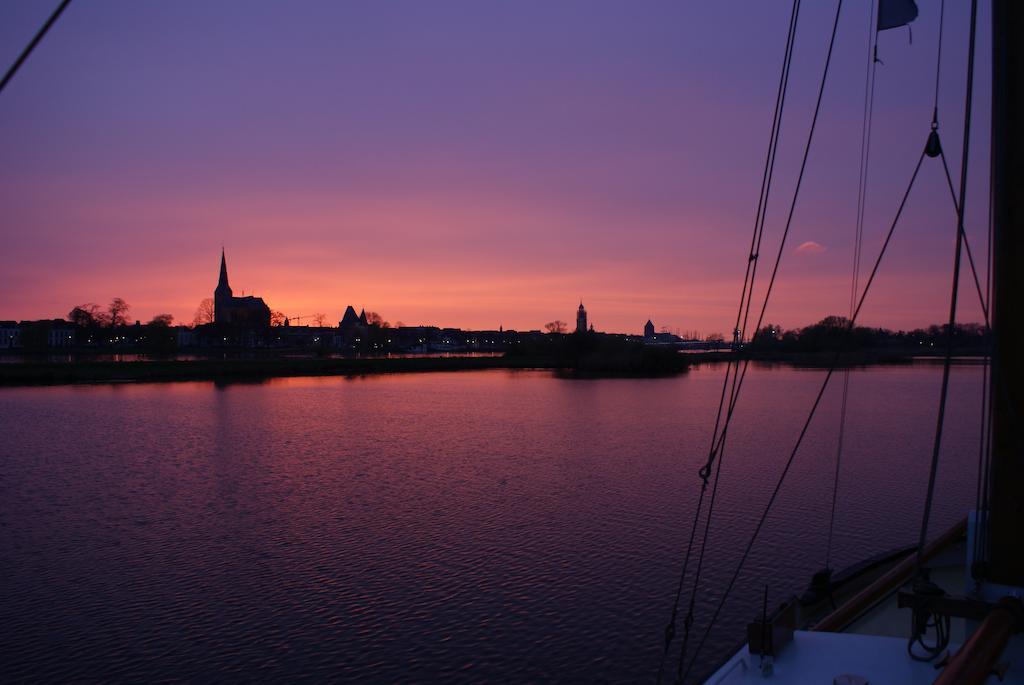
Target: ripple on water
x: 465, y: 527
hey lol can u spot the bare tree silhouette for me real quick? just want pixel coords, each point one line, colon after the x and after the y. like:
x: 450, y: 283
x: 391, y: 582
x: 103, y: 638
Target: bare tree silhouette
x: 118, y: 312
x: 556, y: 326
x: 204, y: 312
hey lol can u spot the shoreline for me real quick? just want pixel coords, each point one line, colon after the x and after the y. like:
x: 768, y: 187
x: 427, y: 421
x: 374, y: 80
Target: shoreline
x: 32, y: 372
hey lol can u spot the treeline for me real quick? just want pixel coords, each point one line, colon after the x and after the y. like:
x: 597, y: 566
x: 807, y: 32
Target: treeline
x: 831, y: 333
x: 91, y: 315
x: 598, y: 353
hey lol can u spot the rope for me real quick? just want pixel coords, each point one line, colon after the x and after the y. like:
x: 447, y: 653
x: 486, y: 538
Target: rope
x: 941, y: 625
x: 807, y: 423
x: 785, y: 234
x: 938, y: 61
x: 32, y: 45
x: 769, y: 173
x: 766, y: 179
x: 738, y: 379
x: 947, y: 362
x: 982, y: 299
x: 862, y: 180
x: 985, y: 434
x: 981, y: 493
x: 985, y: 441
x: 985, y: 429
x: 755, y: 241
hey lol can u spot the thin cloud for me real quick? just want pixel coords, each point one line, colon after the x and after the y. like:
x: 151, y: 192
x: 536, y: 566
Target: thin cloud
x: 811, y: 247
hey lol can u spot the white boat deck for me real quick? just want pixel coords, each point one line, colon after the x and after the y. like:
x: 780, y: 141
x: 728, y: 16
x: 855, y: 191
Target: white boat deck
x: 823, y: 657
x: 873, y: 649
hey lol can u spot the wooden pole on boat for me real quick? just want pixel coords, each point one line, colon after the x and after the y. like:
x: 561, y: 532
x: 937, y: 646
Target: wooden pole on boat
x: 976, y: 659
x: 855, y: 607
x: 1005, y: 548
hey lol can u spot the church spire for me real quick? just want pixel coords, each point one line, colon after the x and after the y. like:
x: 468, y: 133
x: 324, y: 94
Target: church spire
x: 223, y: 281
x: 222, y: 295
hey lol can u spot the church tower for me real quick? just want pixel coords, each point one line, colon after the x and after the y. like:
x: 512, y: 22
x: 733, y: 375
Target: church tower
x: 581, y: 319
x: 222, y: 295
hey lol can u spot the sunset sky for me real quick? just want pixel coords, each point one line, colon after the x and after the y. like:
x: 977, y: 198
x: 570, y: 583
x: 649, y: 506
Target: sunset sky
x: 470, y: 164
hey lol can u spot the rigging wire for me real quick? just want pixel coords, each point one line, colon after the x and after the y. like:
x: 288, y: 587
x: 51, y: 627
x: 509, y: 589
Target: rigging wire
x: 985, y: 442
x: 738, y: 380
x: 739, y: 376
x: 985, y: 432
x: 718, y: 445
x: 947, y: 362
x: 938, y: 61
x: 814, y: 407
x: 828, y: 376
x: 785, y: 234
x: 862, y: 180
x: 747, y: 291
x: 32, y: 45
x: 982, y: 299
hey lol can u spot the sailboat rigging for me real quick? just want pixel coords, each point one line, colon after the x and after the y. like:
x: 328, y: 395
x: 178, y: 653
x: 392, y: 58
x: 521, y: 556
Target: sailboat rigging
x: 842, y: 644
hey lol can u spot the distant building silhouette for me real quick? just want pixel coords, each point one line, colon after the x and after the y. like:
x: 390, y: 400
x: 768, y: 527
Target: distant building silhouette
x: 581, y: 319
x: 246, y: 311
x: 8, y: 335
x: 353, y: 331
x: 349, y: 320
x: 652, y: 337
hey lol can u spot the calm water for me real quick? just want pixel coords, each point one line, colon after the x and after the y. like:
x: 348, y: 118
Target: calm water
x: 499, y: 526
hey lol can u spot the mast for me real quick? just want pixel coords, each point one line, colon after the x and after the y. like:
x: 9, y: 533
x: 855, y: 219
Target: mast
x: 1006, y: 553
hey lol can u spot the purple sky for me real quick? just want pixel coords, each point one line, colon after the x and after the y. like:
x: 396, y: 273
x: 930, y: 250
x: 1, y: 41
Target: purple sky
x: 470, y: 164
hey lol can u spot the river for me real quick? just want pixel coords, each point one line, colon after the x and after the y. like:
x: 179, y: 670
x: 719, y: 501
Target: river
x: 458, y: 527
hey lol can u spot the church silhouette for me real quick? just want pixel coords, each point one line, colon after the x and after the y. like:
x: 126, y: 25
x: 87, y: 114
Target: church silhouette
x: 248, y: 311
